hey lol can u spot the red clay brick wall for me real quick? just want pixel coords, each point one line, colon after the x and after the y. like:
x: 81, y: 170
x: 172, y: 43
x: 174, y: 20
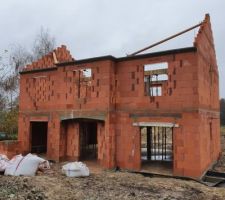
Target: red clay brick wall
x: 194, y: 149
x: 114, y: 92
x: 127, y: 143
x: 24, y: 133
x: 101, y: 142
x: 72, y: 141
x: 47, y: 61
x: 38, y: 91
x: 56, y: 90
x: 10, y: 148
x: 182, y: 71
x: 53, y: 144
x: 208, y: 89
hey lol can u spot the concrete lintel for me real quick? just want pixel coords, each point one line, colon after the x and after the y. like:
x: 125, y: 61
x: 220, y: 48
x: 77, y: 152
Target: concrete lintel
x: 68, y: 117
x: 39, y: 119
x: 161, y: 124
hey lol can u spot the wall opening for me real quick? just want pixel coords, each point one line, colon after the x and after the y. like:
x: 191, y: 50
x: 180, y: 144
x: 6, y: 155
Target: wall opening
x: 88, y: 140
x: 39, y: 132
x: 155, y: 76
x: 84, y: 82
x: 157, y: 149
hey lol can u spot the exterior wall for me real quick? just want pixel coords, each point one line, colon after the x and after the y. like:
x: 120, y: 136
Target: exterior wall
x: 117, y: 93
x: 208, y: 94
x: 9, y: 148
x: 115, y: 97
x: 182, y: 73
x: 179, y: 103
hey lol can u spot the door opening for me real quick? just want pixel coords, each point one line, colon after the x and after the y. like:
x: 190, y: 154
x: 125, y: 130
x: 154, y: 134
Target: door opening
x: 39, y: 132
x: 157, y: 148
x: 88, y: 140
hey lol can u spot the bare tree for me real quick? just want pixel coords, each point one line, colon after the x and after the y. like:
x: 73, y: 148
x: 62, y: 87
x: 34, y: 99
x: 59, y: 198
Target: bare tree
x: 4, y: 72
x: 19, y: 58
x: 43, y: 44
x: 11, y: 63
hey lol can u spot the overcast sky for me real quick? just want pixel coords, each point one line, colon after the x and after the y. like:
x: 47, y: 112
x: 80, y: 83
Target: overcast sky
x: 100, y: 27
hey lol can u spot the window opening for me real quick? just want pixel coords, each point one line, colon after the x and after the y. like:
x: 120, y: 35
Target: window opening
x: 155, y: 75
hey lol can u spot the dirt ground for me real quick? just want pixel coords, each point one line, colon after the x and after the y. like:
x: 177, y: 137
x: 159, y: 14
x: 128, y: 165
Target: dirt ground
x: 106, y: 185
x: 103, y: 185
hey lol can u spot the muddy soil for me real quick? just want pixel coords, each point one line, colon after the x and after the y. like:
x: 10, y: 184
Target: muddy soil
x: 109, y: 185
x: 104, y: 185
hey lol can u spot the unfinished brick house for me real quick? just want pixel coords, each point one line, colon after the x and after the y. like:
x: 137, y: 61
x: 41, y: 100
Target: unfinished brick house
x: 125, y: 112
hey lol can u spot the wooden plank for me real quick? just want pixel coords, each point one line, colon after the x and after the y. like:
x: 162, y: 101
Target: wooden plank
x: 156, y: 71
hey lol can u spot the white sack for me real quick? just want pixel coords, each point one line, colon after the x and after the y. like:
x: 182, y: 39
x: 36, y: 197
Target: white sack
x: 4, y: 162
x: 26, y: 166
x: 44, y: 166
x: 75, y: 169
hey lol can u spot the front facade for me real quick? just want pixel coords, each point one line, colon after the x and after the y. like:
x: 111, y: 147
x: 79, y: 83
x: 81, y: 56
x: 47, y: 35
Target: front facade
x: 125, y: 112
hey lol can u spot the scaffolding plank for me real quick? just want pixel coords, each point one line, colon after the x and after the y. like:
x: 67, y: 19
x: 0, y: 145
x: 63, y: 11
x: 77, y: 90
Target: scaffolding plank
x: 156, y: 71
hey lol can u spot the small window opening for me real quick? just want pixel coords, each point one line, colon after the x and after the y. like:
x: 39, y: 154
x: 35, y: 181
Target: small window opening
x: 155, y: 76
x: 84, y: 82
x: 87, y: 73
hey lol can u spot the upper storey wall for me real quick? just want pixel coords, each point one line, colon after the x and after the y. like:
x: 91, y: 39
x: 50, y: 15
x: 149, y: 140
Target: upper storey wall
x: 179, y: 92
x: 119, y: 84
x: 61, y: 54
x: 85, y: 86
x: 190, y: 80
x: 208, y: 69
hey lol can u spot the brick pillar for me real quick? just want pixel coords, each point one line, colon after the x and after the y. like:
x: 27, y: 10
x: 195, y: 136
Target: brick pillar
x: 73, y: 141
x: 53, y: 143
x: 24, y: 133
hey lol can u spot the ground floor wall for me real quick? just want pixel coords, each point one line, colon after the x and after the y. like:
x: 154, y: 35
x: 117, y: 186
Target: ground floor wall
x: 194, y: 150
x: 196, y: 139
x: 63, y: 136
x: 10, y: 148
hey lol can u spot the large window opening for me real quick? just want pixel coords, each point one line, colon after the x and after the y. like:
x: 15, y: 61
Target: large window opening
x: 88, y: 140
x: 155, y: 75
x: 39, y: 134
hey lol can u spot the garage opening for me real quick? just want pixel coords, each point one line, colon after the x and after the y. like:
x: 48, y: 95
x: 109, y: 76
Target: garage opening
x: 39, y: 132
x: 157, y: 149
x: 88, y: 140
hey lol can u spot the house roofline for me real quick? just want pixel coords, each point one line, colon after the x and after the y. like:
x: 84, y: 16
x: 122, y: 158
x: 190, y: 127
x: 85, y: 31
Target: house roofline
x: 127, y: 58
x: 112, y: 58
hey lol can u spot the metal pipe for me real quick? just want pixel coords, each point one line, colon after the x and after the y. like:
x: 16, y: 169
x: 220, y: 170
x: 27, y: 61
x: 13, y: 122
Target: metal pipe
x: 165, y: 143
x: 155, y: 142
x: 158, y: 143
x: 165, y: 40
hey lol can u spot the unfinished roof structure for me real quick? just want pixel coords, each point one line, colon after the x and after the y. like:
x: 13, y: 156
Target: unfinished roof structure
x: 129, y: 112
